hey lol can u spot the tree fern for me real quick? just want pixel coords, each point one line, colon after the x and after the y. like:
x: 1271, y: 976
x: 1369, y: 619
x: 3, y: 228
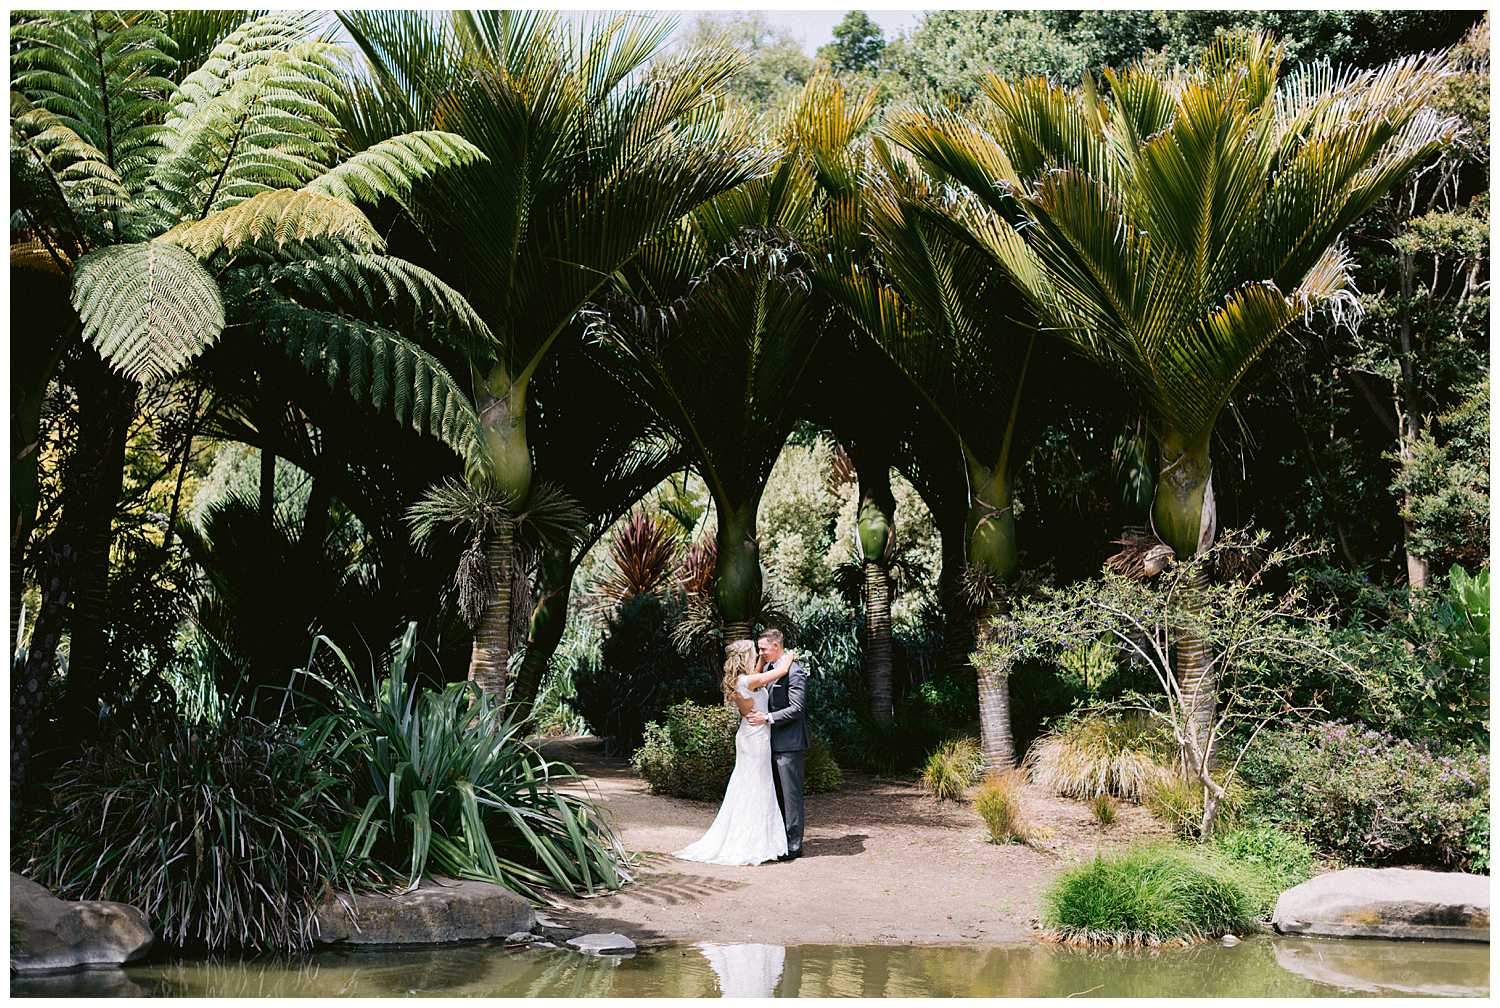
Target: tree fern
x: 378, y: 367
x: 272, y: 220
x: 391, y: 167
x: 148, y: 308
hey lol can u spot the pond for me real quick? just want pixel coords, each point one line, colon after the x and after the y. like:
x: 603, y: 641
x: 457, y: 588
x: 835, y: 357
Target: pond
x: 1264, y: 966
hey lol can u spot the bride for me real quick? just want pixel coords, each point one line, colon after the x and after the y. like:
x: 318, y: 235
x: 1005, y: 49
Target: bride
x: 748, y: 829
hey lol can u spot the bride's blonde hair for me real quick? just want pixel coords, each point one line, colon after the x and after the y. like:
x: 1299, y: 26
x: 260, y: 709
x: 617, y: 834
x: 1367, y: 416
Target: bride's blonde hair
x: 739, y: 659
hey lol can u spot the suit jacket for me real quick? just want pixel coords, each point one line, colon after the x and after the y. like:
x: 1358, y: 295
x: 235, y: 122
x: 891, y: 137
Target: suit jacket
x: 788, y: 711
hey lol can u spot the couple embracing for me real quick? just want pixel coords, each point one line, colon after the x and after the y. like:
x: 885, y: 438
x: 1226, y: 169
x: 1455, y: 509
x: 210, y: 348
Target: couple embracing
x: 761, y: 817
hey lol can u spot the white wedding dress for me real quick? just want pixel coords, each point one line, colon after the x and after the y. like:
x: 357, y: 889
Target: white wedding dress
x: 748, y: 829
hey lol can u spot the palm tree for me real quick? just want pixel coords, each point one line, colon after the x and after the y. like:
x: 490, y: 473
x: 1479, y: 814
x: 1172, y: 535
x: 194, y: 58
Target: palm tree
x: 714, y: 330
x: 957, y: 328
x: 604, y: 453
x: 176, y: 207
x: 1178, y: 226
x: 594, y: 143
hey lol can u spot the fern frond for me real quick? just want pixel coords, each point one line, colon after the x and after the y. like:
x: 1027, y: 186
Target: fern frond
x: 253, y: 44
x: 388, y: 291
x: 272, y: 220
x: 272, y: 128
x: 390, y: 168
x: 147, y: 307
x: 378, y: 367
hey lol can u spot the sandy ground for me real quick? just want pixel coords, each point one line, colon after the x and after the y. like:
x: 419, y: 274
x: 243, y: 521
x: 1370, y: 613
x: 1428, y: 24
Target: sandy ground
x: 882, y: 864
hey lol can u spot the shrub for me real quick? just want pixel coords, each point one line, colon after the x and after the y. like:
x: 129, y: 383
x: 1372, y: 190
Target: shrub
x: 690, y: 752
x: 822, y: 772
x: 1103, y: 807
x: 1147, y: 896
x: 638, y: 675
x: 1178, y: 802
x: 953, y: 768
x: 447, y: 786
x: 220, y: 834
x: 1370, y: 798
x: 998, y: 803
x: 1102, y: 754
x: 1272, y: 860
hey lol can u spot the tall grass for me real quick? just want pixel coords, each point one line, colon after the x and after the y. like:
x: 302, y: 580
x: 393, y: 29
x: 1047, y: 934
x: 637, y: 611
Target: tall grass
x: 952, y: 768
x: 1148, y: 896
x: 1098, y: 754
x: 1178, y: 802
x: 998, y: 803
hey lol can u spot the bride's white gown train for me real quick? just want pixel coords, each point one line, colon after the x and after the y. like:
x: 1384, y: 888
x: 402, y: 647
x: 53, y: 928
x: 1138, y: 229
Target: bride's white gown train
x: 748, y: 829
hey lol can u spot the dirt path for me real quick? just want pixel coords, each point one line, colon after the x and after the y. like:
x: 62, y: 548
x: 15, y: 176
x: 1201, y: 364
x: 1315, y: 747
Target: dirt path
x: 883, y: 864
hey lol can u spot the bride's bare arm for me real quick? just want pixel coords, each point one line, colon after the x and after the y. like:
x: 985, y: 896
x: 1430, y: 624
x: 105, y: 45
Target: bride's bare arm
x: 763, y: 678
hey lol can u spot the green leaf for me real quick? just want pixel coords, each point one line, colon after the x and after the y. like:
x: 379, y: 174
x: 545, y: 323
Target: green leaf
x: 148, y: 307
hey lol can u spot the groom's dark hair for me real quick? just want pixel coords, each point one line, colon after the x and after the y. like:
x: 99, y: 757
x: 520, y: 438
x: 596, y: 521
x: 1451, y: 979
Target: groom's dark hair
x: 772, y: 634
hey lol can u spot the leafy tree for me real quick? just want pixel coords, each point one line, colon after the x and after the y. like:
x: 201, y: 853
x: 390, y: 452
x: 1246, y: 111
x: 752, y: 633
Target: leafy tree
x: 857, y: 47
x: 593, y: 146
x: 774, y: 67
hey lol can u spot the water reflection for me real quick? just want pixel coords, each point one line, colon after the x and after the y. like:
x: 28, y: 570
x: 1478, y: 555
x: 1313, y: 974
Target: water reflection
x: 745, y: 970
x: 1260, y: 967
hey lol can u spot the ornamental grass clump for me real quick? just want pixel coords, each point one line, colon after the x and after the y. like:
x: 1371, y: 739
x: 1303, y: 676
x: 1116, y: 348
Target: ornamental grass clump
x: 952, y: 768
x: 1102, y: 754
x: 1148, y: 896
x: 224, y: 835
x: 999, y: 805
x: 1103, y: 808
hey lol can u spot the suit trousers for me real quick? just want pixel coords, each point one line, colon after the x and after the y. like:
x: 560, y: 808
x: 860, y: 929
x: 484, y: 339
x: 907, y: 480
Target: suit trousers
x: 789, y: 767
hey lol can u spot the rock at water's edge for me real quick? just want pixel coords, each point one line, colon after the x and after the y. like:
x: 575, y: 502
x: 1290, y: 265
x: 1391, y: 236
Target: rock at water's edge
x: 1388, y: 903
x: 439, y: 911
x: 48, y: 933
x: 603, y: 944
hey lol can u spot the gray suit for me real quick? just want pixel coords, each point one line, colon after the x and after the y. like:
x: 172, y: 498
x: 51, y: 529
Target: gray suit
x: 788, y: 717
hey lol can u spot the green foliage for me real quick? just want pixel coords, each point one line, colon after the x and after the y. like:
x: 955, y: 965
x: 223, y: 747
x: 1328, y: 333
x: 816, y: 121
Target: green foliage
x: 690, y: 753
x: 1272, y: 860
x: 953, y: 768
x: 638, y: 675
x: 998, y: 802
x: 224, y: 834
x: 1093, y: 755
x: 1148, y: 896
x: 858, y: 45
x: 1365, y: 797
x: 774, y: 67
x: 1178, y: 802
x: 822, y: 773
x: 448, y: 787
x: 1104, y: 810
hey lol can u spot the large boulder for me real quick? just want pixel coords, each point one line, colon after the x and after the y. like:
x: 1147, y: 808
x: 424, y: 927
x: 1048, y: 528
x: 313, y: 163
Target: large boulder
x: 1388, y: 903
x: 47, y: 933
x: 437, y: 912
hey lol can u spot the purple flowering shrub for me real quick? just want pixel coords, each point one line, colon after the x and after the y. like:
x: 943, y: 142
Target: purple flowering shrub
x: 1367, y: 797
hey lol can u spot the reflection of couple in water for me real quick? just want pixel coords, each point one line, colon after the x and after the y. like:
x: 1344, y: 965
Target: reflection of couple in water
x: 745, y: 970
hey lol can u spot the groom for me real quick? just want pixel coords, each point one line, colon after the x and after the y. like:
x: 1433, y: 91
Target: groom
x: 788, y: 707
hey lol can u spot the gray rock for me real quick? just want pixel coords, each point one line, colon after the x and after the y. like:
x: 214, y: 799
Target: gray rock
x: 519, y: 938
x: 1388, y: 903
x: 48, y: 933
x: 603, y: 944
x: 1229, y: 941
x: 437, y: 912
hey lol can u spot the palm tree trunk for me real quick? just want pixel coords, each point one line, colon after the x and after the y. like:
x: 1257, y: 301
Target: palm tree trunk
x: 876, y: 526
x: 491, y: 651
x: 960, y: 619
x: 992, y: 550
x: 738, y: 582
x: 549, y: 618
x: 877, y: 592
x: 1186, y: 520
